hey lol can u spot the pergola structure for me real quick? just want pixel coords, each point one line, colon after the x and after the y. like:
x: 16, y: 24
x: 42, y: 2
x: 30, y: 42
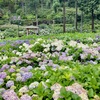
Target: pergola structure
x: 34, y: 28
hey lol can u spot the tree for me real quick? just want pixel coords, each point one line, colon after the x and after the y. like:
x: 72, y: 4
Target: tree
x: 90, y: 6
x: 63, y: 2
x: 1, y: 13
x: 34, y: 4
x: 76, y: 6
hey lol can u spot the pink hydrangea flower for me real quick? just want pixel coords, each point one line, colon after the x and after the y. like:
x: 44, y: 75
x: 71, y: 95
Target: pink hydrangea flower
x: 10, y: 95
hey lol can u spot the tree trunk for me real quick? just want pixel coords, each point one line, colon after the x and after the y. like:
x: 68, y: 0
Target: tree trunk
x: 76, y: 14
x: 22, y: 4
x: 36, y: 20
x: 81, y: 21
x: 64, y: 18
x: 92, y: 20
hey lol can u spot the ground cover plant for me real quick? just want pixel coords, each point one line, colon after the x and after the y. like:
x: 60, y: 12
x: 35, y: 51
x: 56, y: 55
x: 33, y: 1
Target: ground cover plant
x: 51, y: 68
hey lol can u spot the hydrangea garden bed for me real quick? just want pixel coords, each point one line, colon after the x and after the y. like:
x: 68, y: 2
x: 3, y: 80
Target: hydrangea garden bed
x: 51, y: 69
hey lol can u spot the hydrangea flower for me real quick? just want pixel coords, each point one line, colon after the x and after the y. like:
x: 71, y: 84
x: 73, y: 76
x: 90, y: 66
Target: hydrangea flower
x: 9, y: 84
x: 79, y: 90
x: 18, y: 78
x: 19, y: 62
x: 2, y: 90
x: 7, y: 77
x: 45, y: 74
x: 33, y: 85
x: 3, y: 75
x: 24, y: 89
x: 72, y: 43
x: 56, y: 87
x: 25, y: 97
x: 24, y: 69
x: 42, y: 67
x: 13, y: 87
x: 13, y: 66
x: 29, y: 67
x: 11, y: 70
x: 18, y: 74
x: 48, y: 80
x: 10, y: 95
x: 55, y: 66
x: 58, y: 43
x: 1, y: 81
x: 4, y: 67
x: 26, y: 75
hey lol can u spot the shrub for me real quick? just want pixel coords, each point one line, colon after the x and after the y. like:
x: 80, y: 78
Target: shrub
x: 1, y: 22
x: 10, y: 33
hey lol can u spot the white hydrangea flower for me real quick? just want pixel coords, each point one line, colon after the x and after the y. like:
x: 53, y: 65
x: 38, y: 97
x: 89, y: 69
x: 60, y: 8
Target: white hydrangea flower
x: 48, y: 80
x: 19, y: 53
x: 5, y: 58
x: 83, y: 56
x: 33, y: 85
x: 56, y: 87
x: 58, y: 43
x: 14, y: 51
x: 83, y: 46
x: 72, y: 43
x: 95, y: 44
x: 23, y: 89
x: 46, y: 49
x: 90, y: 39
x: 20, y: 47
x: 25, y: 45
x: 46, y: 73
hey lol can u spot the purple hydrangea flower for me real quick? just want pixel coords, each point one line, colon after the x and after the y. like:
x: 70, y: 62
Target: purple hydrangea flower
x: 26, y: 75
x: 3, y: 75
x: 24, y: 69
x: 63, y: 53
x: 4, y: 67
x: 9, y: 84
x: 25, y: 97
x: 1, y: 81
x: 10, y: 95
x: 50, y: 63
x: 11, y: 70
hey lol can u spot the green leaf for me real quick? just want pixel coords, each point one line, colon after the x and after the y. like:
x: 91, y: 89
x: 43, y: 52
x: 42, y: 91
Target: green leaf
x: 63, y: 92
x: 90, y: 92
